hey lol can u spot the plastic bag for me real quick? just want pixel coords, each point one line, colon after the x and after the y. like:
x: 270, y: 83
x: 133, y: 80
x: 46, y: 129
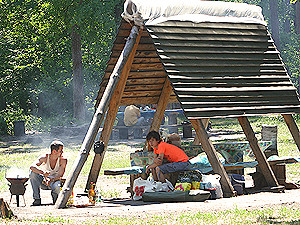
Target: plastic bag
x: 140, y: 186
x: 183, y: 184
x: 212, y: 182
x: 159, y: 186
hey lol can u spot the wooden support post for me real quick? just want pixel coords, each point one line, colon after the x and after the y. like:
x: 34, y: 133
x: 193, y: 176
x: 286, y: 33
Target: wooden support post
x: 290, y: 122
x: 96, y: 121
x: 213, y: 157
x: 260, y: 156
x: 161, y: 108
x: 111, y: 116
x: 205, y: 123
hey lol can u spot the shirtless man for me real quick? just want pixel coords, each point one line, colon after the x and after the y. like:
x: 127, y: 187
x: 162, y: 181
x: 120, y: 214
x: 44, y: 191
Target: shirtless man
x: 47, y: 171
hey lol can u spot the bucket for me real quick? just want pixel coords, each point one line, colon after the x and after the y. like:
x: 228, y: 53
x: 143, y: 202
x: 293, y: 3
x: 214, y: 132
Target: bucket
x: 19, y: 128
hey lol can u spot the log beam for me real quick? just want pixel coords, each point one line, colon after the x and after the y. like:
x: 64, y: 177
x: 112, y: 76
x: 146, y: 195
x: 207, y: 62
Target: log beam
x: 205, y: 123
x: 290, y: 122
x: 96, y: 121
x: 260, y: 156
x: 111, y: 117
x: 160, y: 109
x: 213, y: 157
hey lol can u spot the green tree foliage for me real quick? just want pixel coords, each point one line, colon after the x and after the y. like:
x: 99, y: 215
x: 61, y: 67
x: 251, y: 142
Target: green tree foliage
x: 36, y: 61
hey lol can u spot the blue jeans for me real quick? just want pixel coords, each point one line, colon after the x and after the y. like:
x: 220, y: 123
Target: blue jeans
x: 36, y: 183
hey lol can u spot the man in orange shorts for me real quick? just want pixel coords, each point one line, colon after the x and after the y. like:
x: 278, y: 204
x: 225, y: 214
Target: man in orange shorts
x: 178, y: 160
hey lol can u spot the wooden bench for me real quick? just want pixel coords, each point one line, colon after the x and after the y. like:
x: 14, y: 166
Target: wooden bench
x: 231, y: 151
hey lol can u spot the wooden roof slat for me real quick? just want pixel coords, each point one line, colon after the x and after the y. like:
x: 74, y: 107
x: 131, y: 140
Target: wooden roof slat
x: 212, y: 56
x: 189, y: 100
x: 206, y: 43
x: 217, y: 37
x: 215, y: 63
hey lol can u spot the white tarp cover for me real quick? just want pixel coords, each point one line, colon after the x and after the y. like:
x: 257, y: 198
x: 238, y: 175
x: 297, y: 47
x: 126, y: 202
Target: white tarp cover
x: 151, y: 12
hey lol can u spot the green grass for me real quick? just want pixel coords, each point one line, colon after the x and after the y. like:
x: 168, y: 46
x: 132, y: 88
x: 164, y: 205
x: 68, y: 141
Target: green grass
x: 289, y: 215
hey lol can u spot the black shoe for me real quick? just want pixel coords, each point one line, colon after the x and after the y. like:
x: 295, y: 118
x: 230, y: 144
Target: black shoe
x: 36, y: 202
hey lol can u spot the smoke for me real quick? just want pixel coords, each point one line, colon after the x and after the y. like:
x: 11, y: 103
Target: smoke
x: 16, y: 173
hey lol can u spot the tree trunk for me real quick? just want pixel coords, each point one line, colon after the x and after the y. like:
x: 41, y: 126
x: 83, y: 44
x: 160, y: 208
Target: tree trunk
x: 287, y: 21
x: 297, y: 17
x: 78, y: 97
x: 275, y: 22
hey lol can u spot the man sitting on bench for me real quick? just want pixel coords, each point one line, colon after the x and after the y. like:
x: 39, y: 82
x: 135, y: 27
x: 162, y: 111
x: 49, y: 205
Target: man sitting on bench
x: 178, y: 160
x: 132, y: 117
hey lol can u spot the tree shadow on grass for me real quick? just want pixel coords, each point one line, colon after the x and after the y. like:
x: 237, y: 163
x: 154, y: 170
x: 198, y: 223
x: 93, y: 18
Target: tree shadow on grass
x: 19, y: 150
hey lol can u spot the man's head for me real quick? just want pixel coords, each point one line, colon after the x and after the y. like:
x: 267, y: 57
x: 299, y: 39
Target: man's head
x: 56, y: 145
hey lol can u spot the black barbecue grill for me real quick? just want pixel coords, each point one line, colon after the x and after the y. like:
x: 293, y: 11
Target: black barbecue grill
x: 17, y: 187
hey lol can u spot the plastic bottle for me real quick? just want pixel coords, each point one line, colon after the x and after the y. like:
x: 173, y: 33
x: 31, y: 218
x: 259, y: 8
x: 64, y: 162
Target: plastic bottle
x: 98, y: 198
x: 92, y: 195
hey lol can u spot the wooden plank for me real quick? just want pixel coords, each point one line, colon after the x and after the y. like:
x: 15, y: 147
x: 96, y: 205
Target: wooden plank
x: 142, y: 87
x: 205, y: 124
x: 260, y: 156
x: 140, y: 81
x: 143, y: 66
x: 230, y: 84
x: 290, y: 122
x: 230, y: 80
x: 136, y: 60
x: 139, y: 54
x: 213, y: 56
x: 220, y: 113
x: 161, y: 108
x: 231, y: 92
x: 110, y: 117
x: 146, y: 100
x: 145, y: 81
x: 211, y: 50
x: 212, y: 72
x: 234, y: 104
x: 149, y: 47
x: 213, y: 157
x: 202, y: 37
x: 141, y: 94
x: 214, y: 63
x: 216, y: 44
x: 187, y: 100
x: 96, y: 121
x: 146, y: 73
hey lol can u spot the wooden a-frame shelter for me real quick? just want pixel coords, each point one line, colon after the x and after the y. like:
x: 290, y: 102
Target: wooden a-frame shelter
x: 217, y: 59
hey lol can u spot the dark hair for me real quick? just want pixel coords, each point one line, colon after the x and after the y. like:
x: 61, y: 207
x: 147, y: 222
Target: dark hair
x: 153, y: 134
x: 55, y: 145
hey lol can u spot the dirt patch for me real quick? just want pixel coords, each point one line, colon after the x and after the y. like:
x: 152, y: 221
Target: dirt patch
x: 125, y: 207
